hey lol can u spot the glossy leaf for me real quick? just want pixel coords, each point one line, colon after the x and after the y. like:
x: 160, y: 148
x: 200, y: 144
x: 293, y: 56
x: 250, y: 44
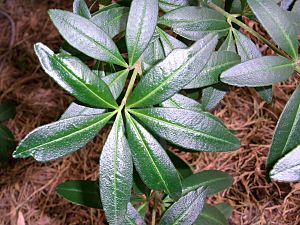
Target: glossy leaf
x: 218, y: 63
x: 210, y: 215
x: 7, y: 110
x: 113, y: 21
x: 188, y: 129
x: 248, y: 50
x: 286, y: 4
x: 60, y: 138
x: 115, y: 174
x: 99, y: 69
x: 228, y: 44
x: 169, y: 5
x: 182, y: 102
x: 75, y: 110
x: 154, y: 52
x: 169, y: 42
x: 211, y: 96
x: 186, y: 210
x: 81, y: 192
x: 133, y: 217
x: 116, y: 82
x: 87, y: 37
x: 160, y: 173
x: 170, y: 75
x: 183, y: 168
x: 277, y: 24
x: 225, y: 209
x: 75, y: 77
x: 287, y: 169
x: 287, y: 135
x: 214, y: 180
x: 193, y: 22
x: 140, y: 27
x: 259, y: 72
x: 80, y: 8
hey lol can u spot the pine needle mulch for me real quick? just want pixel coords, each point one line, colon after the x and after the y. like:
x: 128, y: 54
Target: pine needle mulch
x: 27, y: 188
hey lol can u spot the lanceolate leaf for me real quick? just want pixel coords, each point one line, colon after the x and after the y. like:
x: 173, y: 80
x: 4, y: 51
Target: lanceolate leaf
x: 211, y: 96
x: 80, y: 8
x: 75, y: 77
x: 287, y: 169
x: 168, y: 42
x: 140, y: 27
x: 247, y: 50
x: 200, y: 21
x: 7, y: 110
x: 186, y: 210
x: 133, y: 217
x: 277, y: 24
x: 183, y: 168
x: 218, y: 63
x: 60, y: 138
x: 259, y: 72
x: 173, y: 73
x: 214, y: 180
x: 210, y: 215
x: 225, y: 209
x: 228, y: 44
x: 189, y: 129
x: 154, y: 52
x: 182, y: 102
x: 79, y: 110
x: 113, y: 21
x: 87, y: 37
x: 287, y: 135
x: 7, y: 143
x: 81, y: 192
x: 115, y: 173
x: 151, y: 160
x: 169, y: 5
x: 116, y: 82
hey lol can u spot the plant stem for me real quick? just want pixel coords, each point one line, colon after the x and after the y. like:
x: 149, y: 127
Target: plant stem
x: 154, y: 209
x: 129, y: 89
x: 232, y: 18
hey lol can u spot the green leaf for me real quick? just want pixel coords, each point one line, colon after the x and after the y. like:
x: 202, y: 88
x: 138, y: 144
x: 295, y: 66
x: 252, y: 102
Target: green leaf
x: 7, y: 143
x: 140, y: 27
x: 218, y: 63
x: 225, y: 209
x: 60, y: 138
x: 193, y: 22
x: 81, y: 192
x: 228, y: 44
x: 210, y: 215
x: 115, y: 174
x: 151, y: 160
x: 211, y: 96
x: 189, y: 129
x: 248, y: 50
x: 87, y: 37
x: 154, y: 52
x: 138, y: 185
x: 99, y: 69
x: 277, y: 24
x: 182, y: 102
x: 214, y: 180
x: 116, y: 82
x: 169, y: 5
x: 112, y: 21
x: 80, y: 8
x: 186, y: 210
x: 259, y: 72
x: 168, y: 42
x: 287, y: 169
x: 170, y: 75
x: 7, y: 110
x: 75, y: 77
x: 133, y: 217
x: 75, y: 110
x: 183, y: 168
x: 287, y: 135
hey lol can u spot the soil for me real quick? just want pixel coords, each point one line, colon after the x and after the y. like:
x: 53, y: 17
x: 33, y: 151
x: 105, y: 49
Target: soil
x: 27, y: 187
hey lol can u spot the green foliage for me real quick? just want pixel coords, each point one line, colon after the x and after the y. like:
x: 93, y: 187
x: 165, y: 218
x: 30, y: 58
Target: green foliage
x: 130, y: 41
